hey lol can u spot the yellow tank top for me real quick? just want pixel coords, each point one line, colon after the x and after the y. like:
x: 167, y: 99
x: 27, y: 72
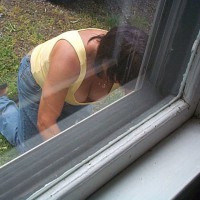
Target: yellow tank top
x: 40, y: 62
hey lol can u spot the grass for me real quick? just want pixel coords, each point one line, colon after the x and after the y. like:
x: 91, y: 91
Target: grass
x: 7, y: 152
x: 23, y: 27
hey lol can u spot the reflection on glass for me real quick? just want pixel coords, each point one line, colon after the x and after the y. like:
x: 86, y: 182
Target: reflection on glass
x: 63, y: 80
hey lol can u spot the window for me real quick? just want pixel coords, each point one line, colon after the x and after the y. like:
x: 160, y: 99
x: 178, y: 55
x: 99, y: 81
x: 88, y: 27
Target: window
x: 128, y: 127
x: 14, y: 30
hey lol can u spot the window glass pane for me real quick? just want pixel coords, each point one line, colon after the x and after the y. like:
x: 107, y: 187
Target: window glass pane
x: 24, y: 27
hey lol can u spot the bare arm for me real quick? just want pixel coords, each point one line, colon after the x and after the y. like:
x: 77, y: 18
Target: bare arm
x: 63, y: 71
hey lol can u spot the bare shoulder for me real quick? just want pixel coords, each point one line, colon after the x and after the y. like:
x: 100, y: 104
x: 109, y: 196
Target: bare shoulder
x: 64, y: 59
x: 92, y: 32
x: 98, y: 31
x: 64, y: 52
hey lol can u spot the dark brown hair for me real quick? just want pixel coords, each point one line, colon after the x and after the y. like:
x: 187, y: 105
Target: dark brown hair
x: 122, y: 49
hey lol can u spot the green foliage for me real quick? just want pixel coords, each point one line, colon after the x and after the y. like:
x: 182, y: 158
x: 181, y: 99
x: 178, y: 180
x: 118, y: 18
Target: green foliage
x: 7, y: 152
x: 113, y: 20
x: 8, y: 64
x: 139, y: 21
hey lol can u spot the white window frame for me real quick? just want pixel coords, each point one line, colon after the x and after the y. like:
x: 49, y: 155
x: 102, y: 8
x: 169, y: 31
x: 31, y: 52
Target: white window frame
x: 91, y: 173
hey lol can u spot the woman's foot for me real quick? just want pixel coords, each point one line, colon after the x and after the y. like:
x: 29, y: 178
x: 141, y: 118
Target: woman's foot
x: 3, y: 89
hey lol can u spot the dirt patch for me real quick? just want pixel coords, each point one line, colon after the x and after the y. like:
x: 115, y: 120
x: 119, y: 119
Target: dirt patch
x: 31, y: 22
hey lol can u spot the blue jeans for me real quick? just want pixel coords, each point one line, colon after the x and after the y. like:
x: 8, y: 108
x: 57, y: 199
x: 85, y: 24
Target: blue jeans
x: 19, y: 124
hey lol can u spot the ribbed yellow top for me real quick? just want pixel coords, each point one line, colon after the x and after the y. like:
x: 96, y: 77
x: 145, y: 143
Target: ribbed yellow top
x: 40, y: 62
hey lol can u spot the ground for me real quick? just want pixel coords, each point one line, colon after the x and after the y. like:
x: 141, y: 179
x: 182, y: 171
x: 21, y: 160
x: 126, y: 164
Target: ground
x: 25, y: 23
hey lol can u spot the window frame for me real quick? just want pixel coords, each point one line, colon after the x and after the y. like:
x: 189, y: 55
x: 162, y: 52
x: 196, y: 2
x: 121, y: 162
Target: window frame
x: 91, y: 173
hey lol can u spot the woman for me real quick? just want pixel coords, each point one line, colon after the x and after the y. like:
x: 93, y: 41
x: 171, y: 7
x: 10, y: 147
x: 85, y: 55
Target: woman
x: 63, y: 75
